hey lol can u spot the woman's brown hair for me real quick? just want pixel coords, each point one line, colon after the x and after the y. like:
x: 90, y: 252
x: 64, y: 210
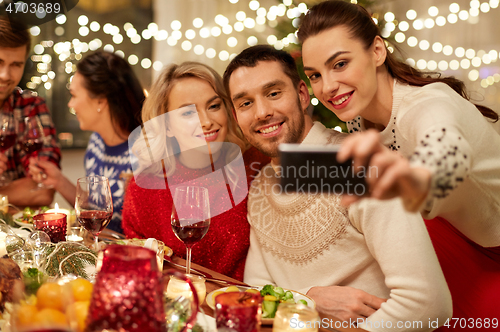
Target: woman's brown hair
x: 330, y: 14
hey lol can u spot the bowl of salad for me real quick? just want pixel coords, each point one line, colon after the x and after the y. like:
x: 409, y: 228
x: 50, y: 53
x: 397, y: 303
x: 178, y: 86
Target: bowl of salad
x: 24, y: 218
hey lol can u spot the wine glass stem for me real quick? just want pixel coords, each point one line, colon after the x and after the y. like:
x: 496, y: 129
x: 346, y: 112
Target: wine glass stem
x: 188, y: 260
x: 96, y: 243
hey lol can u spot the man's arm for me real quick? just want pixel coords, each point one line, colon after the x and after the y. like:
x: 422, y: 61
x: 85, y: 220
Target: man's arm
x: 21, y: 193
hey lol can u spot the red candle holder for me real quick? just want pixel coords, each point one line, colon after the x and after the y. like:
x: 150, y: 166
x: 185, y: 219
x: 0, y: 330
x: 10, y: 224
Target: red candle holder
x: 238, y: 311
x: 54, y: 224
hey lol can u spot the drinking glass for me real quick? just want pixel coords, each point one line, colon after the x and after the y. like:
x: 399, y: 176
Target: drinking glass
x: 53, y: 224
x: 93, y: 204
x: 7, y: 140
x: 296, y: 317
x: 238, y: 311
x: 33, y: 140
x: 190, y: 217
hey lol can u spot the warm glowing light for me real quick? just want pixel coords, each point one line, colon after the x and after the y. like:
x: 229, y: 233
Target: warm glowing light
x: 463, y: 15
x: 460, y: 52
x: 109, y: 48
x: 241, y: 15
x: 83, y: 31
x: 59, y: 31
x: 403, y: 26
x: 198, y: 22
x: 35, y: 31
x: 61, y: 19
x: 153, y: 27
x: 315, y: 101
x: 190, y: 34
x: 186, y: 45
x: 83, y: 20
x: 216, y: 31
x: 198, y: 49
x: 452, y: 18
x: 433, y: 11
x: 443, y: 65
x: 175, y: 25
x: 421, y: 64
x: 470, y: 53
x: 211, y: 53
x: 254, y: 5
x: 224, y: 55
x: 432, y: 65
x: 411, y: 14
x: 400, y: 37
x: 249, y: 23
x: 133, y: 59
x: 454, y: 64
x: 157, y: 65
x: 412, y: 41
x: 171, y: 41
x: 239, y: 26
x: 485, y: 7
x: 95, y: 26
x: 410, y: 62
x: 418, y: 25
x: 252, y: 40
x: 121, y: 54
x: 145, y: 63
x: 146, y: 34
x: 454, y: 7
x: 437, y: 47
x: 476, y: 62
x: 232, y: 42
x: 429, y: 23
x: 465, y: 63
x: 117, y: 39
x: 131, y: 32
x: 136, y: 39
x: 39, y: 49
x: 271, y: 39
x: 440, y: 21
x: 389, y: 17
x: 424, y: 45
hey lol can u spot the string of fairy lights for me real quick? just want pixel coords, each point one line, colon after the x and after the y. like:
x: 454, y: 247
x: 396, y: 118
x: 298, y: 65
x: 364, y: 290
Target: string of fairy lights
x: 256, y: 20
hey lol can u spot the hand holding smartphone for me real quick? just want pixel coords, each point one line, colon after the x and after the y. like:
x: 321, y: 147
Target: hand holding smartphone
x: 314, y: 169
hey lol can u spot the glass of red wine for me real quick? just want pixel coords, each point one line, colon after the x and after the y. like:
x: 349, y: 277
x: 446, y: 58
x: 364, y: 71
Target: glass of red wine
x: 190, y: 217
x: 33, y: 140
x: 93, y: 204
x: 7, y: 139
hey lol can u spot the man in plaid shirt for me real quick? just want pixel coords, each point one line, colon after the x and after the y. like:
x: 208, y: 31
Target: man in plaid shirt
x: 17, y: 105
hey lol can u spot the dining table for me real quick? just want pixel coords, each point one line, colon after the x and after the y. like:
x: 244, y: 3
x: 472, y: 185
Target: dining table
x: 179, y: 262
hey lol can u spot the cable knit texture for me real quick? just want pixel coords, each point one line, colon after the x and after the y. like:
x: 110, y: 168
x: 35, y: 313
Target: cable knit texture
x: 146, y: 213
x: 298, y: 241
x: 439, y: 130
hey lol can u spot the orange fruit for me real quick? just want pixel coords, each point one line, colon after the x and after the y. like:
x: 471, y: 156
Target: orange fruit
x: 50, y: 295
x: 80, y: 311
x: 25, y: 315
x: 217, y: 293
x: 82, y: 289
x: 232, y: 289
x: 50, y: 318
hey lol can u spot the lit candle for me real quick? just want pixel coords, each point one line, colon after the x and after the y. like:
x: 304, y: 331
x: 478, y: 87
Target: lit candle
x: 56, y: 209
x: 54, y: 224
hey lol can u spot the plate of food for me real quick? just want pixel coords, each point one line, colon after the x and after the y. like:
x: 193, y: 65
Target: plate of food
x: 272, y: 296
x: 24, y: 218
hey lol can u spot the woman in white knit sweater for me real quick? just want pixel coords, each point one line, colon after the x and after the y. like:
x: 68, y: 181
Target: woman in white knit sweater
x: 451, y: 165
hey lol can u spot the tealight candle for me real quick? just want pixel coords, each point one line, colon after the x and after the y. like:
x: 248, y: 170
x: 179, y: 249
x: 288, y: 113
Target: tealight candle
x: 54, y: 224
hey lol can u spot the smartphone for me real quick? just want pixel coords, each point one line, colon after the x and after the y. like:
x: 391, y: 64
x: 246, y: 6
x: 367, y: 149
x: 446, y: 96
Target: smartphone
x: 314, y: 169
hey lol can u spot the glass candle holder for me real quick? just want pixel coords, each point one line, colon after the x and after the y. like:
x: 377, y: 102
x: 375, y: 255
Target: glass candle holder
x: 75, y: 234
x: 128, y: 292
x: 54, y: 224
x: 296, y: 317
x: 238, y: 311
x: 177, y: 287
x: 4, y: 203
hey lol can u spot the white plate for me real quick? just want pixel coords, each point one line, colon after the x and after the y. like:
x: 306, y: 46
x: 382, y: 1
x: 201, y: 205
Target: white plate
x: 265, y: 321
x: 19, y: 215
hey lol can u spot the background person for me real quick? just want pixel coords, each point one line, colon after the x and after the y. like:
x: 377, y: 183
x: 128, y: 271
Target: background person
x: 17, y: 105
x: 373, y: 260
x: 107, y: 98
x: 447, y: 160
x: 147, y: 211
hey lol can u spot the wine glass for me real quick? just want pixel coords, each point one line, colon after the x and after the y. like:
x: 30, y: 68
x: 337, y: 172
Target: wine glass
x: 190, y: 217
x: 33, y: 140
x: 7, y: 140
x: 93, y: 204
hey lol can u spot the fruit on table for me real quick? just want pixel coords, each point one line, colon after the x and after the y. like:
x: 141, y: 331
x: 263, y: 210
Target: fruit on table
x: 50, y: 317
x: 81, y: 310
x: 50, y: 295
x: 82, y: 289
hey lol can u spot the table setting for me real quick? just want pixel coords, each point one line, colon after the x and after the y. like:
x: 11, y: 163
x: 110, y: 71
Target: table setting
x: 75, y: 275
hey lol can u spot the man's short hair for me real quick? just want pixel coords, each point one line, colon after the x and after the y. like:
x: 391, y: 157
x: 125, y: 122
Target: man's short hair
x: 14, y: 34
x: 251, y: 56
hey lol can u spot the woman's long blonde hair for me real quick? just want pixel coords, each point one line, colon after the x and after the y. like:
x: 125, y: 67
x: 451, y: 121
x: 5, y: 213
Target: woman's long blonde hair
x: 157, y: 103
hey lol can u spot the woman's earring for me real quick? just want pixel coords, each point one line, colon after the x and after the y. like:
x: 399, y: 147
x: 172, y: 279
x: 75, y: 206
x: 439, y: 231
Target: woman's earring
x: 98, y: 110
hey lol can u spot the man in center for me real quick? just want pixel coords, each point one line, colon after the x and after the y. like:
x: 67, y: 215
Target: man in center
x: 372, y: 261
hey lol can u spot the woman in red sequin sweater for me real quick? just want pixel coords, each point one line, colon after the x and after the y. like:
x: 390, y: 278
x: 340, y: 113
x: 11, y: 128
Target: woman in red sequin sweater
x: 192, y: 91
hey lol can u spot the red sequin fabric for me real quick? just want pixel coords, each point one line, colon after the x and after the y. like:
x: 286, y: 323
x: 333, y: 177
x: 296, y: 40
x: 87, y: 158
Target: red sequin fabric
x: 146, y: 213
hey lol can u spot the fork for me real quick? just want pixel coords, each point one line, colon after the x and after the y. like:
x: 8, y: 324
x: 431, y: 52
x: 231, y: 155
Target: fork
x: 206, y: 275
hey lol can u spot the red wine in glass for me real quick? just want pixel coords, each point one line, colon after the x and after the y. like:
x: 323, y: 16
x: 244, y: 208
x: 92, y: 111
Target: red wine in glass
x: 94, y: 221
x: 31, y: 146
x: 7, y: 141
x: 190, y: 217
x: 191, y: 233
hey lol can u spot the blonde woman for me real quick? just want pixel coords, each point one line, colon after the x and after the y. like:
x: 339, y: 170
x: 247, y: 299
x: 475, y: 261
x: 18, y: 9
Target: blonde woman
x: 193, y: 98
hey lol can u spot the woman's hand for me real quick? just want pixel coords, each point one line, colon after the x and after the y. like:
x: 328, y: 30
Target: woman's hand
x: 45, y: 172
x: 388, y: 174
x: 345, y: 303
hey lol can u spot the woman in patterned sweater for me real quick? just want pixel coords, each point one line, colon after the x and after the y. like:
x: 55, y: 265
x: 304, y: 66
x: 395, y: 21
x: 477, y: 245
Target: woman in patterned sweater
x: 450, y: 169
x: 107, y: 98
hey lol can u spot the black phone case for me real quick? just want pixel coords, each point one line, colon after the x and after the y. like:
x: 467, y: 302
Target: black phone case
x: 315, y: 169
